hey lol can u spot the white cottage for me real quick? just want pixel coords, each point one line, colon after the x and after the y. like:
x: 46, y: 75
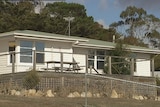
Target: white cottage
x: 60, y: 51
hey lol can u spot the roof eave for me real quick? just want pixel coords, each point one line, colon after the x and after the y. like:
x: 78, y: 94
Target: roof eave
x: 48, y: 37
x: 94, y: 46
x: 148, y: 51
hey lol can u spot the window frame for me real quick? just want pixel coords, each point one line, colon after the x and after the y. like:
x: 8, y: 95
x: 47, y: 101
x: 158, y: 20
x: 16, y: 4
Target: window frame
x: 40, y: 52
x: 39, y: 48
x: 26, y: 54
x: 96, y: 57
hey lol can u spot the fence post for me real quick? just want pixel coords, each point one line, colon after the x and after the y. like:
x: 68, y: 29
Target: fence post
x: 61, y: 61
x: 90, y: 67
x: 86, y: 82
x: 13, y: 66
x: 86, y: 63
x: 132, y: 66
x: 109, y: 65
x: 152, y: 66
x: 86, y: 90
x: 62, y: 81
x: 13, y: 62
x: 34, y: 60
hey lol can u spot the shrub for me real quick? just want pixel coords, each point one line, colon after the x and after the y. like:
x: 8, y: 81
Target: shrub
x: 31, y: 79
x: 158, y: 84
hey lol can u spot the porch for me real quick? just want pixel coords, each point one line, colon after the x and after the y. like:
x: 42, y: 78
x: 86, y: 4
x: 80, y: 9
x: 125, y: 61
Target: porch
x: 14, y: 62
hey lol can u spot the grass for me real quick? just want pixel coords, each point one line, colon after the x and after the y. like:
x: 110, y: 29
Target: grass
x: 17, y: 101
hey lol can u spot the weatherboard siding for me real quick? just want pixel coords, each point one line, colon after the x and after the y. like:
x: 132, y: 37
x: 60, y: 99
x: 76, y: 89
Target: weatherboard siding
x: 143, y: 68
x: 143, y: 65
x: 5, y: 66
x: 80, y: 57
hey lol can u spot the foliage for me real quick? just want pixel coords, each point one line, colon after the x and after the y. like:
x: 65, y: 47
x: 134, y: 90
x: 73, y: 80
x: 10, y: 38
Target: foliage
x: 135, y: 22
x: 120, y: 62
x: 157, y: 63
x: 134, y: 41
x: 158, y: 84
x: 31, y: 79
x: 22, y: 16
x: 158, y: 81
x: 139, y: 28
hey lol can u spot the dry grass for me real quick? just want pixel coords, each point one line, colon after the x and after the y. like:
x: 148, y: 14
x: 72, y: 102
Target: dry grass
x: 16, y: 101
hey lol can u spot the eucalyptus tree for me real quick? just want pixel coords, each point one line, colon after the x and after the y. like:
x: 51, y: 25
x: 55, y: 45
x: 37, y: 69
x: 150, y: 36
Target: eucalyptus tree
x: 137, y: 23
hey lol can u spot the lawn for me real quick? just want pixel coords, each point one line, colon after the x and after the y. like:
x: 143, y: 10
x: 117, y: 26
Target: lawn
x: 17, y: 101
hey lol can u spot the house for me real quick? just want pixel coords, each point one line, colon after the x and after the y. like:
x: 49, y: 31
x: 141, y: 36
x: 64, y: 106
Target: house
x: 54, y: 47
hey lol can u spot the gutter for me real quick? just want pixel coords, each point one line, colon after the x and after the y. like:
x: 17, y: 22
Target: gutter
x: 112, y: 47
x: 19, y: 35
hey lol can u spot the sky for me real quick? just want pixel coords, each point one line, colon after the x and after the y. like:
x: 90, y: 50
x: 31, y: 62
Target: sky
x: 107, y: 11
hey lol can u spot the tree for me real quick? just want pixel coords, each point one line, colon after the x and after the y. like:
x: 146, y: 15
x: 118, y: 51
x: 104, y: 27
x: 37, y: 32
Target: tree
x: 16, y: 16
x: 154, y: 38
x: 137, y: 23
x: 6, y: 19
x: 21, y: 16
x: 131, y: 40
x: 56, y: 12
x: 82, y: 25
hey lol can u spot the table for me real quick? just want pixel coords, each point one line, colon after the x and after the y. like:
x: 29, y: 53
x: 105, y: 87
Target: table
x: 73, y: 66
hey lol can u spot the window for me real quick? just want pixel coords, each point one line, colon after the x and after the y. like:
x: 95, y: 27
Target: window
x: 91, y: 55
x: 100, y: 59
x: 39, y: 52
x: 96, y: 58
x: 26, y: 51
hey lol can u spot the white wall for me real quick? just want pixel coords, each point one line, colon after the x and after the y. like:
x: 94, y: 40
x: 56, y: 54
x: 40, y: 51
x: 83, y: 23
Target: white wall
x: 5, y: 65
x: 80, y: 57
x: 143, y: 65
x: 143, y: 68
x: 54, y: 52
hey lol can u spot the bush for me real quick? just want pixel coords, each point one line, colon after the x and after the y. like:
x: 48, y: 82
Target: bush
x: 31, y: 79
x: 158, y: 84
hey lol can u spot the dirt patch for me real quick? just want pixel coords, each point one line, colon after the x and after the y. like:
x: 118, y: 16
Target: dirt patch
x: 5, y: 101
